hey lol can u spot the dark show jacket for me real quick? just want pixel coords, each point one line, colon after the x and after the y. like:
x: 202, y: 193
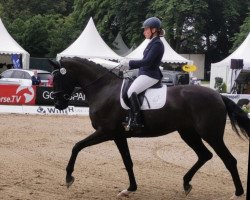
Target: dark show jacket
x: 150, y: 63
x: 35, y: 80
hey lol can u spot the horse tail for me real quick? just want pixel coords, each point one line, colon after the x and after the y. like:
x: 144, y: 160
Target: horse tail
x: 237, y: 117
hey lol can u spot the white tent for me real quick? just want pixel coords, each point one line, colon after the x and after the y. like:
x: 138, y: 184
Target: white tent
x: 89, y: 45
x: 170, y: 56
x: 119, y: 45
x: 9, y: 46
x: 222, y: 68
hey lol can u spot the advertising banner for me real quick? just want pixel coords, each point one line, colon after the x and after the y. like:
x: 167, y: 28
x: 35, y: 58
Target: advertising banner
x: 242, y: 100
x: 43, y: 110
x: 239, y: 99
x: 51, y: 110
x: 44, y: 97
x: 17, y: 95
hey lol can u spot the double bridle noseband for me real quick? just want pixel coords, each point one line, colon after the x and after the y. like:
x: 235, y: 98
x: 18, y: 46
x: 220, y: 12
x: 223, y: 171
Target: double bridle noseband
x: 65, y: 96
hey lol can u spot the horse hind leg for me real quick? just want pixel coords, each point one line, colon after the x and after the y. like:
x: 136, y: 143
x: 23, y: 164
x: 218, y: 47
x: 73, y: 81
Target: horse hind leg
x: 230, y: 162
x: 193, y: 139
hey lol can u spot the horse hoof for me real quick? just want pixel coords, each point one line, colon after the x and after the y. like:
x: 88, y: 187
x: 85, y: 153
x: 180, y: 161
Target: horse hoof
x: 69, y: 181
x: 238, y: 197
x: 124, y: 194
x: 187, y: 189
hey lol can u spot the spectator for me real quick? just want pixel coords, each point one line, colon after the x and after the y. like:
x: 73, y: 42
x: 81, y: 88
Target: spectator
x: 36, y: 80
x: 50, y: 81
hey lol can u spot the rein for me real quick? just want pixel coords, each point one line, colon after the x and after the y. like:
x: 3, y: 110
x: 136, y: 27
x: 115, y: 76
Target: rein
x: 67, y: 96
x: 110, y: 70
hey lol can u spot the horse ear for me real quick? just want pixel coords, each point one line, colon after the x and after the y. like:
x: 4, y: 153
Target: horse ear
x: 54, y: 64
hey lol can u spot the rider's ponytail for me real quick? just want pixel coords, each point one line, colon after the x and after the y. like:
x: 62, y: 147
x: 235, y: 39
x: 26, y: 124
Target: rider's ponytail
x: 161, y: 32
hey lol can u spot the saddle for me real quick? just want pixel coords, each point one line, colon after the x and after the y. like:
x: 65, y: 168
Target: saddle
x: 145, y: 98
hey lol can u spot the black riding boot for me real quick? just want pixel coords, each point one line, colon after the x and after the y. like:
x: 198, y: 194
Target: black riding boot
x: 135, y: 118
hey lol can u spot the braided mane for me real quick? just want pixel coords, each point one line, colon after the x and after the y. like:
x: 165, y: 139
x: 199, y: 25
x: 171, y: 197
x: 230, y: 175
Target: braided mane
x: 92, y: 64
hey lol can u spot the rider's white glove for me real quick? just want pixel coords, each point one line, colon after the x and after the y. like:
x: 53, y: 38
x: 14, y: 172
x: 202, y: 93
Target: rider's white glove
x: 124, y: 64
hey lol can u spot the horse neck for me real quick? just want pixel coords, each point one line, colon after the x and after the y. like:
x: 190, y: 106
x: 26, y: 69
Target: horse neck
x: 94, y: 80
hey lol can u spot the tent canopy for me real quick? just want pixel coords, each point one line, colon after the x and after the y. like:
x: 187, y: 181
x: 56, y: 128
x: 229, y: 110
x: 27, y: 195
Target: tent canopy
x: 242, y: 52
x: 119, y: 45
x: 170, y: 56
x: 89, y: 45
x: 10, y: 46
x: 222, y: 69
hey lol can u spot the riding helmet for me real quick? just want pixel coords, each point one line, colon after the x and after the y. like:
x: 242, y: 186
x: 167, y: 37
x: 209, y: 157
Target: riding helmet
x: 152, y: 22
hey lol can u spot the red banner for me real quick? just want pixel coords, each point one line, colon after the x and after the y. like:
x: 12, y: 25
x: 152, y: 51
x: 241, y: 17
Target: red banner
x: 17, y: 95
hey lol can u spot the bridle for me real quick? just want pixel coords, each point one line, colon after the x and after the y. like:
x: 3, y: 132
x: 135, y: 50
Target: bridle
x: 65, y: 96
x: 97, y: 79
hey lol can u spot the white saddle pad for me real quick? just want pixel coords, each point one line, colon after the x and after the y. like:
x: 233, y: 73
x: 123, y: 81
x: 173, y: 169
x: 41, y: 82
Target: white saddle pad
x: 155, y: 98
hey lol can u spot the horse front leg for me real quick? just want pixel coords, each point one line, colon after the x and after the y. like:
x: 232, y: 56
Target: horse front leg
x: 95, y: 138
x: 122, y: 146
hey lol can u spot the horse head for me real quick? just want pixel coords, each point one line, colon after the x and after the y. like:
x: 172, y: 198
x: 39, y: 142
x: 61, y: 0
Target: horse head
x: 63, y: 84
x: 78, y: 72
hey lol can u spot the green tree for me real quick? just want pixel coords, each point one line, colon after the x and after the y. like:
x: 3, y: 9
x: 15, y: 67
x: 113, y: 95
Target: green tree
x: 44, y: 36
x: 182, y: 21
x: 192, y: 26
x: 223, y: 19
x: 201, y: 26
x: 61, y: 33
x: 17, y: 29
x: 241, y: 36
x: 35, y: 36
x: 102, y: 13
x: 112, y: 16
x: 25, y: 8
x: 1, y: 10
x: 129, y: 18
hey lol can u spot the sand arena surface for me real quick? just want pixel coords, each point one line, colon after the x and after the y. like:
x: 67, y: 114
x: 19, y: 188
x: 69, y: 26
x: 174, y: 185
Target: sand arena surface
x: 34, y: 152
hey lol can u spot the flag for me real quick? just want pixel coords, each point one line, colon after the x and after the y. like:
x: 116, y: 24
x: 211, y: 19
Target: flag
x: 17, y: 61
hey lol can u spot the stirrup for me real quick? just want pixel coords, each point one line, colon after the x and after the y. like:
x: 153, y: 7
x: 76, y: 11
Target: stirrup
x: 127, y: 124
x: 132, y: 127
x: 127, y: 127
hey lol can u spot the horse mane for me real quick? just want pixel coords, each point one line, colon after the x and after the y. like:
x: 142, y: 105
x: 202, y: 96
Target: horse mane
x: 92, y: 64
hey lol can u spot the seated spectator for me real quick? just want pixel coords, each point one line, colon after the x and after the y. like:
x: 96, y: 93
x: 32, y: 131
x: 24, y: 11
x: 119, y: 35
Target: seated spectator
x: 36, y: 80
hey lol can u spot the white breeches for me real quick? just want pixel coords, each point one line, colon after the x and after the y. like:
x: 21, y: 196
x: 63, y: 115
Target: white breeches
x: 140, y: 84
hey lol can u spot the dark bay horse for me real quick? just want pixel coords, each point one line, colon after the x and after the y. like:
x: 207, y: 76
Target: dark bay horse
x: 196, y: 112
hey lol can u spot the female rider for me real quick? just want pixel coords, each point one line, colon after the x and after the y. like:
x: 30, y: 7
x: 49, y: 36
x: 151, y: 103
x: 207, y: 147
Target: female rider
x: 149, y: 68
